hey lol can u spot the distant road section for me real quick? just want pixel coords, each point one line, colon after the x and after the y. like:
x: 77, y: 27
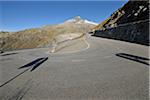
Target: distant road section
x: 71, y: 42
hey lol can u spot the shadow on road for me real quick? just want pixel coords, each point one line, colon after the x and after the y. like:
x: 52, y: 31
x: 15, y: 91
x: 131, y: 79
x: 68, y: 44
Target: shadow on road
x: 13, y: 78
x: 7, y: 54
x: 34, y: 64
x: 134, y: 58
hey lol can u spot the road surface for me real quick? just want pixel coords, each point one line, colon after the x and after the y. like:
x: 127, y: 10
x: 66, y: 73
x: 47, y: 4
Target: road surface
x: 107, y: 70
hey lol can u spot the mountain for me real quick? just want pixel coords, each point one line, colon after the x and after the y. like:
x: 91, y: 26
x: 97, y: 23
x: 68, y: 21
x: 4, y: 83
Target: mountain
x: 43, y: 36
x: 129, y: 23
x: 75, y: 24
x: 79, y: 20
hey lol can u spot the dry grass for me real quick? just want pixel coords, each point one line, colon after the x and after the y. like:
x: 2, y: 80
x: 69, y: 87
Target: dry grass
x: 39, y: 37
x: 26, y: 39
x: 100, y: 26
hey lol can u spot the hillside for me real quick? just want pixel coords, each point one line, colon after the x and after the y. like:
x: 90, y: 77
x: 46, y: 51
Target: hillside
x: 41, y: 37
x: 29, y: 38
x: 129, y: 23
x: 132, y: 11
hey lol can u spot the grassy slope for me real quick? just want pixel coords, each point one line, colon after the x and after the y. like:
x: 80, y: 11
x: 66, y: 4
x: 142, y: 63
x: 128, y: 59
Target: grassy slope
x: 26, y: 39
x: 38, y: 37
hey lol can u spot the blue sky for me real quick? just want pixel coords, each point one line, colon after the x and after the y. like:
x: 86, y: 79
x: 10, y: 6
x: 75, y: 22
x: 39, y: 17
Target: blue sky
x: 17, y: 15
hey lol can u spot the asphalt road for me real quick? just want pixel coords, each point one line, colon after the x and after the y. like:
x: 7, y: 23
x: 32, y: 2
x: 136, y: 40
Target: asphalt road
x: 107, y: 70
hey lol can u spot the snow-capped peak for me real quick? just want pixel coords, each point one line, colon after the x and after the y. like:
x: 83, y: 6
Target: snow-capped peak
x: 79, y: 20
x: 90, y: 22
x: 74, y: 19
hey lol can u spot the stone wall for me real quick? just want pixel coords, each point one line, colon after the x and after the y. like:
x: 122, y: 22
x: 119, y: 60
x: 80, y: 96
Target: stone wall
x: 136, y: 32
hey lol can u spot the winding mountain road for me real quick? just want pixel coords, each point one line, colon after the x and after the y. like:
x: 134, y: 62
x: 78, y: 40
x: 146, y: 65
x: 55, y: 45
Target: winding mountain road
x: 107, y: 70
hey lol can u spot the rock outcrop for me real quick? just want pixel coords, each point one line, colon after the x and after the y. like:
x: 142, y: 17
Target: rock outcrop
x: 129, y: 23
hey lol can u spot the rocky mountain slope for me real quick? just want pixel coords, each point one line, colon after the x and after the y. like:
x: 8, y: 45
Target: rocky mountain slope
x: 132, y: 11
x: 129, y: 23
x: 41, y: 37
